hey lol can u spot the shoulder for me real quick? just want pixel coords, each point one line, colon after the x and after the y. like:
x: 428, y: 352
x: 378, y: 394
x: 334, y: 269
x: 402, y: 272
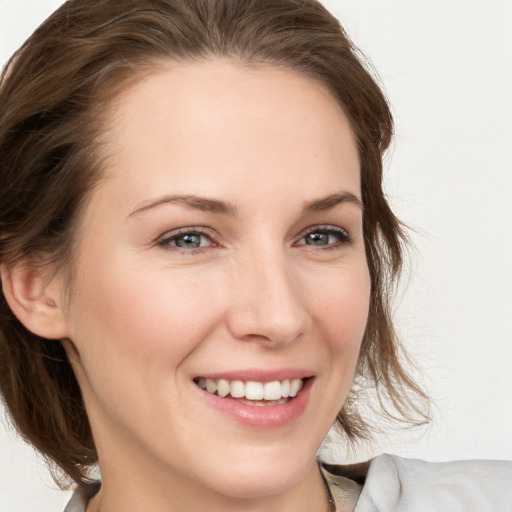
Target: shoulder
x: 409, y: 484
x: 81, y: 496
x: 396, y: 484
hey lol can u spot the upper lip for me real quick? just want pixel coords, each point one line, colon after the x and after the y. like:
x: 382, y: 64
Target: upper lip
x: 259, y: 375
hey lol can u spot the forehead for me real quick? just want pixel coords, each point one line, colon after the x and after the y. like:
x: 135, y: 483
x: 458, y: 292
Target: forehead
x: 202, y: 125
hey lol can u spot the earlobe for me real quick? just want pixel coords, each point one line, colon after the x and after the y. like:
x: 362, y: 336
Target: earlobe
x: 34, y: 298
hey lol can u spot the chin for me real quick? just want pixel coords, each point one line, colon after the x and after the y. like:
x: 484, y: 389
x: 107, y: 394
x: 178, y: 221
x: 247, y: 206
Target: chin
x: 263, y: 473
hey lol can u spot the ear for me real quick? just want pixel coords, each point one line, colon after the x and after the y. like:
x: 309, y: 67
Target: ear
x: 35, y: 298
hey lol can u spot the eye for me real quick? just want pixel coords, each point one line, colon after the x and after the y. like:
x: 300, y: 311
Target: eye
x: 187, y: 239
x: 325, y: 237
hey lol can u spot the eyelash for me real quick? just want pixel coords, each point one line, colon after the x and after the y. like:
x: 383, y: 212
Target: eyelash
x: 166, y: 240
x: 342, y: 236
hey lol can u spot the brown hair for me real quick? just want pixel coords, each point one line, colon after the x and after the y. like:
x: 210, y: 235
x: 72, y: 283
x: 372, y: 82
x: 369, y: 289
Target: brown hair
x: 53, y: 99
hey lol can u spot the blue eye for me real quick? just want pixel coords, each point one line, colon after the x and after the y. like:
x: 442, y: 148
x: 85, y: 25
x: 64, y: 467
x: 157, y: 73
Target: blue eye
x: 327, y: 237
x: 187, y: 240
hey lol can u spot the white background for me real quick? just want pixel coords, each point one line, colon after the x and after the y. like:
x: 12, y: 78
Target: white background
x: 447, y: 70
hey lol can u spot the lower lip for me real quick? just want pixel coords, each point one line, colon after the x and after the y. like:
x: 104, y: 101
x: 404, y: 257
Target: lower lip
x: 267, y: 416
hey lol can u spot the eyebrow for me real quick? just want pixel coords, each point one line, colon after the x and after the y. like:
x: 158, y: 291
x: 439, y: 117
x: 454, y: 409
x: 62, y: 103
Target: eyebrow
x: 205, y: 204
x: 326, y: 203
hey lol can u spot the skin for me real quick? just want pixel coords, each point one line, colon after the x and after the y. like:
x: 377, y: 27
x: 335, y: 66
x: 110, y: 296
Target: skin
x: 146, y: 317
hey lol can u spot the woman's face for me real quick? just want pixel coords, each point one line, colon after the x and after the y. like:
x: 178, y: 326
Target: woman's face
x: 224, y: 248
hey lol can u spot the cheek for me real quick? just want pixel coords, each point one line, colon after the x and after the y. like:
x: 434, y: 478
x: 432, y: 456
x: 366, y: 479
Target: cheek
x: 135, y: 331
x: 341, y: 309
x: 135, y: 321
x: 340, y: 316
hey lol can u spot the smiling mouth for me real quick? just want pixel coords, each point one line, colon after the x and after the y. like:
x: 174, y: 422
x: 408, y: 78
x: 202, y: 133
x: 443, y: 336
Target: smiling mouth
x: 253, y: 393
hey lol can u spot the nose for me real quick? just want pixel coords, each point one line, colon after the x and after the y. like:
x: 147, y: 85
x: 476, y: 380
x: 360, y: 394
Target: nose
x: 266, y: 302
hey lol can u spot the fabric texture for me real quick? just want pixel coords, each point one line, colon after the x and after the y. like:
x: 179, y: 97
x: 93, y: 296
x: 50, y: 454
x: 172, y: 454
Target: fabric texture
x: 396, y: 484
x: 389, y: 483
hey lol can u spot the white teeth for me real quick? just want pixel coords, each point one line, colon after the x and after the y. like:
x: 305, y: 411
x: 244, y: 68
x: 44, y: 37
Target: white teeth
x: 285, y: 388
x: 252, y: 390
x: 223, y: 387
x: 211, y: 386
x: 237, y: 389
x: 295, y: 387
x: 272, y: 390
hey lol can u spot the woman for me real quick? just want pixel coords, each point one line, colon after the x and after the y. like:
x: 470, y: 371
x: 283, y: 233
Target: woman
x: 196, y: 260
